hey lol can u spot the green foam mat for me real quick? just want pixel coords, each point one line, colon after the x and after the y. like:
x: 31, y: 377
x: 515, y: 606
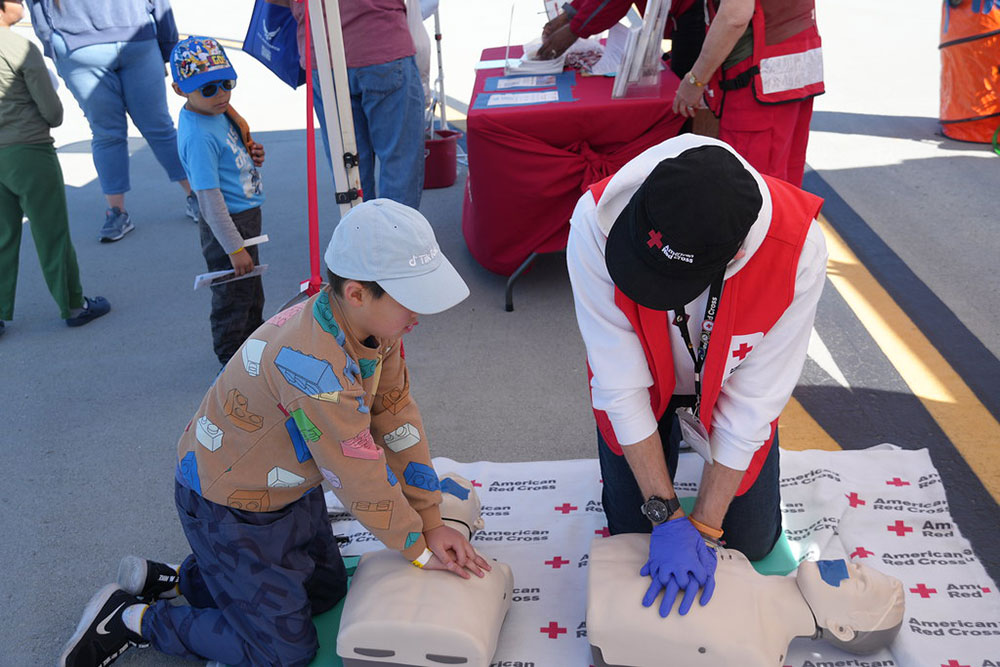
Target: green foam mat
x: 780, y: 561
x: 328, y: 625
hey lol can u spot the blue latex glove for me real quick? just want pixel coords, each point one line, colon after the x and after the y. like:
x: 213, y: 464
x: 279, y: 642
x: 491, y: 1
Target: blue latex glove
x: 679, y: 560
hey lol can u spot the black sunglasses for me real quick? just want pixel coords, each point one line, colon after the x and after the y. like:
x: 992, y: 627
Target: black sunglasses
x: 210, y: 89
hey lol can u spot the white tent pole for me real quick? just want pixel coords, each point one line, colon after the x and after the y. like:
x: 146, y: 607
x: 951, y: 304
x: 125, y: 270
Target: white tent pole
x: 331, y: 66
x: 442, y: 102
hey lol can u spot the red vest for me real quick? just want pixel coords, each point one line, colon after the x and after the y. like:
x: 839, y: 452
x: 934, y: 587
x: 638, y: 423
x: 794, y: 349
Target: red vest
x: 752, y: 301
x: 787, y: 60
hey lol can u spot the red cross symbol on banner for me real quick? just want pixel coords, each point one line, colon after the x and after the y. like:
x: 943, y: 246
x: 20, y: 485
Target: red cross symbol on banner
x: 855, y: 499
x: 743, y: 351
x: 654, y: 239
x: 552, y: 630
x: 985, y: 590
x: 566, y: 508
x: 603, y: 532
x: 557, y: 562
x: 953, y: 663
x: 923, y: 591
x: 475, y: 483
x: 899, y: 528
x: 861, y: 552
x: 895, y: 481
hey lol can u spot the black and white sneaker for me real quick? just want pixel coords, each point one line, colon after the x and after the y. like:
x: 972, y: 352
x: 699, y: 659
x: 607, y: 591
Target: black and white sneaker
x: 147, y: 578
x: 101, y: 636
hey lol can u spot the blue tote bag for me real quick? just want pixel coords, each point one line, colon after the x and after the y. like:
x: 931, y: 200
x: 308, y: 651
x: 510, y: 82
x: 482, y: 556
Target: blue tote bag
x: 271, y: 40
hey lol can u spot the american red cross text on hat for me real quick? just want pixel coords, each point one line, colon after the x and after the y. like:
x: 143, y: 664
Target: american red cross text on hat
x: 654, y: 239
x: 861, y: 552
x: 552, y: 630
x: 557, y: 562
x: 566, y: 508
x: 900, y: 528
x: 923, y: 591
x: 854, y: 499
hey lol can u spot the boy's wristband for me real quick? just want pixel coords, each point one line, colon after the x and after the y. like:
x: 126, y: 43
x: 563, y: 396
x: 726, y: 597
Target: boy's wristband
x: 238, y: 250
x: 423, y: 558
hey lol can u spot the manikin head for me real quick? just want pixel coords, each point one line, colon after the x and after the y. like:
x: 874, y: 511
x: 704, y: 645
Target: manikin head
x: 857, y: 609
x: 460, y: 505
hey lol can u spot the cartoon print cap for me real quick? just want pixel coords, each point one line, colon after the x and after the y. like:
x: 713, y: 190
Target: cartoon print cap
x: 197, y: 61
x: 386, y: 242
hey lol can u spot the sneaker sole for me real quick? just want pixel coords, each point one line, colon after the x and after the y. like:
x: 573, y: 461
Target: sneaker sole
x: 89, y: 615
x: 125, y: 230
x: 132, y: 574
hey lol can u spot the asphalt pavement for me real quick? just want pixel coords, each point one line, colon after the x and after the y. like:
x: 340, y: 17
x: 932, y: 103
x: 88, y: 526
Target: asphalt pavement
x: 91, y: 416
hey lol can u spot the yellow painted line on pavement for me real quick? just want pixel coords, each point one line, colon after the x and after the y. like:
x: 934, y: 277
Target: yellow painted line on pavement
x: 797, y: 430
x: 971, y: 428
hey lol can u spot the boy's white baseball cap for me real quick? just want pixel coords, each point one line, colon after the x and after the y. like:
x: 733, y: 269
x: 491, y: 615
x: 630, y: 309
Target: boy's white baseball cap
x: 386, y: 242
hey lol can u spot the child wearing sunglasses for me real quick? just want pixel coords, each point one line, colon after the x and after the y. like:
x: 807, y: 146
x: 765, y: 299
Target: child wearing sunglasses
x: 221, y: 161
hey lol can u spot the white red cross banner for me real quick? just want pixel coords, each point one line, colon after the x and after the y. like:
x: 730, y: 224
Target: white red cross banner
x: 884, y: 505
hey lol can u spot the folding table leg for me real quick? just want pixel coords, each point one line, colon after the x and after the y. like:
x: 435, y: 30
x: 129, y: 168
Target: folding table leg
x: 509, y: 307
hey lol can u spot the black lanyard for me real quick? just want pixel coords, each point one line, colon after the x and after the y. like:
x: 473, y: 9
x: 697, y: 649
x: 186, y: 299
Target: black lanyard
x: 681, y: 318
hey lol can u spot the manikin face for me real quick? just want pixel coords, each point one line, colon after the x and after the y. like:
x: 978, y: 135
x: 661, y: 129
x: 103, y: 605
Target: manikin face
x: 855, y: 605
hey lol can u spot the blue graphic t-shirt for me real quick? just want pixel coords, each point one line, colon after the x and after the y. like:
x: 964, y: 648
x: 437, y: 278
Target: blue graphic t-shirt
x: 214, y: 156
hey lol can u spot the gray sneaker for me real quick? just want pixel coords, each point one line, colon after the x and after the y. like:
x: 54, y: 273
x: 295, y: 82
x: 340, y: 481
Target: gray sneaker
x: 116, y: 225
x: 193, y: 208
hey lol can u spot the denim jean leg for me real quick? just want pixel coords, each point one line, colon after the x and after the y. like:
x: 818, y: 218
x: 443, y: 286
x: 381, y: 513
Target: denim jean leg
x: 366, y: 154
x: 392, y: 101
x: 90, y: 73
x: 144, y: 90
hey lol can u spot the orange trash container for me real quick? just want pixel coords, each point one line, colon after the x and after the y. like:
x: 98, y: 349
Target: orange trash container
x: 970, y: 69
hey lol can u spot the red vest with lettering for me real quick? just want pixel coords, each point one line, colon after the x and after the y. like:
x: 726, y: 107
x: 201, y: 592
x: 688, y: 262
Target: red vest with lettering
x: 787, y: 60
x: 752, y: 301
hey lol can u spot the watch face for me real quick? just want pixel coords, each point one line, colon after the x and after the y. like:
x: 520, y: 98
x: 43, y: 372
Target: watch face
x: 655, y: 510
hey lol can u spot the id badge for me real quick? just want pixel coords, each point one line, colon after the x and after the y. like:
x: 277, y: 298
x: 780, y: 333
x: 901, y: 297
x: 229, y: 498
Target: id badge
x: 694, y: 434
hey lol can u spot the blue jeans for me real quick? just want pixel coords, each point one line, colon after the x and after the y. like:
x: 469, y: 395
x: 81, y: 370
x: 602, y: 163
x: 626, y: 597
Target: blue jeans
x: 387, y: 102
x: 254, y: 580
x: 108, y: 81
x: 752, y: 524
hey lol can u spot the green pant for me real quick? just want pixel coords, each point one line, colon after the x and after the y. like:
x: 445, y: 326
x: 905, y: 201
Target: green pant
x: 31, y: 184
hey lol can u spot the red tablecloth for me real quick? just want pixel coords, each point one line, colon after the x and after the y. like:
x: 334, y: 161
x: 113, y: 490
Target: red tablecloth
x: 529, y: 165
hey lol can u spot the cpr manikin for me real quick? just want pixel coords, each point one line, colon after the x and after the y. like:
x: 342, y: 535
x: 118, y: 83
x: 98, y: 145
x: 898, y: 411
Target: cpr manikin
x: 397, y: 614
x: 750, y: 620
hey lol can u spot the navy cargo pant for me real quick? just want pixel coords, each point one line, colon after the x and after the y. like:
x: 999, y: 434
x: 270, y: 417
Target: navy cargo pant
x: 237, y: 307
x: 254, y: 580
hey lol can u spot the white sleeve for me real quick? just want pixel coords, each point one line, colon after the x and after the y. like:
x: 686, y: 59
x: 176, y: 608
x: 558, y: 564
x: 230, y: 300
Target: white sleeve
x: 756, y: 393
x: 621, y: 381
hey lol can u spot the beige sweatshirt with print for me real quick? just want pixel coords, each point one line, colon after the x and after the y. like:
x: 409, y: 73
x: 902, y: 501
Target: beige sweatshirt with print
x: 304, y: 400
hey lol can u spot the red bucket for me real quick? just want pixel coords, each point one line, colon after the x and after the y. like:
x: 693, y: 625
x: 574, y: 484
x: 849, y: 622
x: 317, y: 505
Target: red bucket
x: 440, y: 159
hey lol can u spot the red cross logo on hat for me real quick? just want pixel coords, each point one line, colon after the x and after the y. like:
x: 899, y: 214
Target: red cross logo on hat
x: 861, y: 552
x: 603, y: 532
x: 854, y: 499
x: 654, y: 239
x: 897, y: 482
x: 557, y: 562
x: 923, y: 591
x: 953, y: 663
x: 475, y: 483
x: 566, y: 508
x: 743, y: 351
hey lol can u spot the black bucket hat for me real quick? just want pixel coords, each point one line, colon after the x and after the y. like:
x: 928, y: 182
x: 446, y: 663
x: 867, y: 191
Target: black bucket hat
x: 682, y: 227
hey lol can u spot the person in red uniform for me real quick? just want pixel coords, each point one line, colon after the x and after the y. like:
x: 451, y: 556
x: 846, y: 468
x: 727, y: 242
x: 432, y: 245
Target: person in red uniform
x: 759, y: 68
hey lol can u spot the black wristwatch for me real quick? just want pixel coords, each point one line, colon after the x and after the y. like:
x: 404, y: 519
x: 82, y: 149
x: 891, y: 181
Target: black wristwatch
x: 658, y: 509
